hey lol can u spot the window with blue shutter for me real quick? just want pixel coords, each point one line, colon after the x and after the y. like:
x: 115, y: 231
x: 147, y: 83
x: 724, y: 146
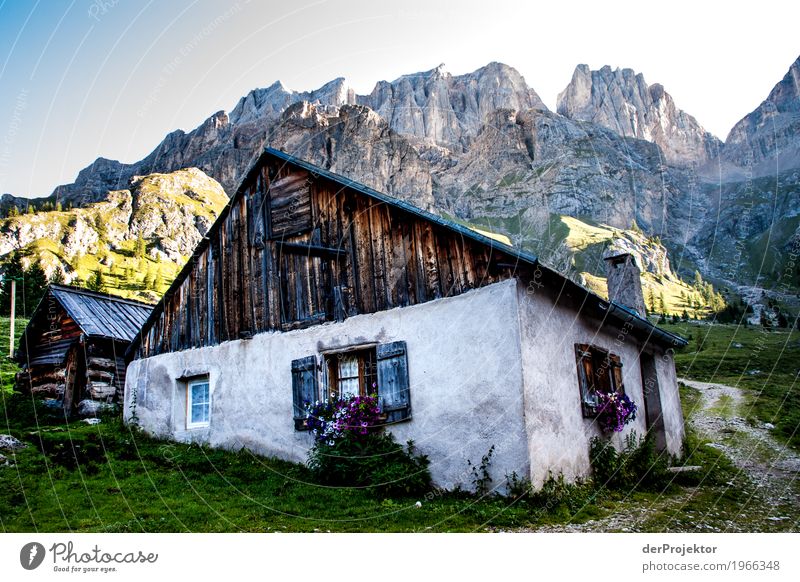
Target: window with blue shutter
x: 393, y: 386
x: 304, y: 388
x: 380, y: 370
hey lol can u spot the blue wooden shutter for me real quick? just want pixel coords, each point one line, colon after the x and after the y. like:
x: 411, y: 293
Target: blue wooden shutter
x: 393, y: 387
x: 304, y: 387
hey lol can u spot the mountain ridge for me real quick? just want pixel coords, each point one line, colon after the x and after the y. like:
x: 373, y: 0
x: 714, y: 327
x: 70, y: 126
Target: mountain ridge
x: 483, y: 145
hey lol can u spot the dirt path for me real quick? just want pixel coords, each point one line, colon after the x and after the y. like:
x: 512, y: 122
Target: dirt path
x: 772, y: 467
x: 766, y: 489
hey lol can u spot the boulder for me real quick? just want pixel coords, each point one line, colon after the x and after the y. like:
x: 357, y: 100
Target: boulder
x: 89, y: 408
x: 9, y: 443
x: 100, y: 390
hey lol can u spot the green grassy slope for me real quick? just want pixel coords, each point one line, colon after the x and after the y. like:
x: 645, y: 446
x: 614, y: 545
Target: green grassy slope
x: 168, y: 212
x: 111, y: 478
x: 575, y: 246
x: 9, y: 368
x: 766, y: 364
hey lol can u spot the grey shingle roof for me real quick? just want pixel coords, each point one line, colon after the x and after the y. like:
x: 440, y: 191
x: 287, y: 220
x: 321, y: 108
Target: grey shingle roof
x: 101, y: 315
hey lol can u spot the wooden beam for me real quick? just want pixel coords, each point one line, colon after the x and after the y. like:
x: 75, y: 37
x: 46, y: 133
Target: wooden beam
x: 310, y: 250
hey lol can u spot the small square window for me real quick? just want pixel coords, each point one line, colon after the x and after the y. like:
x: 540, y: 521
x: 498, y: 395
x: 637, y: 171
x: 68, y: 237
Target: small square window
x: 352, y: 373
x: 598, y: 371
x: 198, y: 403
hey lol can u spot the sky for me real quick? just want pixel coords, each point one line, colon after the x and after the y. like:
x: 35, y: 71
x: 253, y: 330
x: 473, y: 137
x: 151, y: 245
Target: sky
x: 81, y: 79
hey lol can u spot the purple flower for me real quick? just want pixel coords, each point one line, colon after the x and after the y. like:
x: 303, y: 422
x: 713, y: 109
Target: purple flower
x: 614, y: 411
x: 355, y: 415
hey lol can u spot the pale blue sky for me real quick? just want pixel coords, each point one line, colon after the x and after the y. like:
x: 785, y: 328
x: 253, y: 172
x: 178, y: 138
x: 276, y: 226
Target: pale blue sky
x: 86, y: 78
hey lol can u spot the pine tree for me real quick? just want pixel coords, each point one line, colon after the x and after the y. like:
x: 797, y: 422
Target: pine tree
x: 140, y: 248
x: 651, y: 302
x: 158, y: 283
x: 31, y: 285
x: 699, y: 343
x: 96, y: 282
x: 150, y: 279
x: 765, y: 321
x: 57, y: 278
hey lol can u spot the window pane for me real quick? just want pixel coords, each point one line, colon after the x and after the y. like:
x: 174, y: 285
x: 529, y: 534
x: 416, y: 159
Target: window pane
x: 199, y: 409
x: 199, y: 393
x: 348, y: 387
x: 348, y: 375
x: 199, y: 413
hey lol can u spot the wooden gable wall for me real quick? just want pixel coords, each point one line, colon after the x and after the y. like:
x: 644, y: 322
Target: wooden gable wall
x: 295, y: 249
x: 49, y: 336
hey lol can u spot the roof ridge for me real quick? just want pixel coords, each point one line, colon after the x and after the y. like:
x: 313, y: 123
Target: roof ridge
x: 364, y: 189
x: 100, y: 295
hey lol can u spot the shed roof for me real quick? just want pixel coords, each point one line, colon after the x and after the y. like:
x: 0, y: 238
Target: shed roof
x: 100, y: 314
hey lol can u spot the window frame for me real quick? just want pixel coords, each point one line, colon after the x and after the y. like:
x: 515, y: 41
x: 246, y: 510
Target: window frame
x: 315, y: 376
x: 612, y: 372
x: 190, y: 385
x: 367, y: 356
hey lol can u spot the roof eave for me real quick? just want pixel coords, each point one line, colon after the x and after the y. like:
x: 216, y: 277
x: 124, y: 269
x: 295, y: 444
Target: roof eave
x: 615, y: 311
x: 629, y: 317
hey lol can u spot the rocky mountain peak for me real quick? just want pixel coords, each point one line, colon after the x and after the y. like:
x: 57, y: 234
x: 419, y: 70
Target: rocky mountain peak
x: 446, y: 110
x: 266, y: 105
x: 785, y: 96
x: 766, y: 138
x: 170, y: 212
x: 622, y: 101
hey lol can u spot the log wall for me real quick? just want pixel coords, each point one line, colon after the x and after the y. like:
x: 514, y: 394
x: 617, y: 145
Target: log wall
x: 295, y: 249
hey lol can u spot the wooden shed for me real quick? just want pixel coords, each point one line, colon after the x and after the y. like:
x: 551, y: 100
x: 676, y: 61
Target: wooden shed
x: 73, y: 347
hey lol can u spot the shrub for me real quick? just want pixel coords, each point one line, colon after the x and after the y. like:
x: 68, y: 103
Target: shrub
x: 481, y: 478
x: 24, y: 411
x: 71, y: 449
x: 374, y: 460
x: 556, y: 493
x: 636, y: 466
x: 518, y: 487
x: 350, y: 449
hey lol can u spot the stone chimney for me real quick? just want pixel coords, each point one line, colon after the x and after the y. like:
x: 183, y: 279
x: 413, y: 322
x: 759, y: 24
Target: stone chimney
x: 624, y: 282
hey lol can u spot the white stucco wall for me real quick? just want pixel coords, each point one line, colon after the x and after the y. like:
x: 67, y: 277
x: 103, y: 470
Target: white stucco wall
x: 558, y: 434
x: 492, y: 367
x: 671, y: 411
x: 464, y: 373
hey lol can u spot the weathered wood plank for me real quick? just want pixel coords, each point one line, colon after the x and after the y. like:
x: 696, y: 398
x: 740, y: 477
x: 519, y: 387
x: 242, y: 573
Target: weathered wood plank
x: 295, y: 249
x: 377, y: 234
x: 410, y: 254
x: 430, y: 261
x: 290, y: 205
x: 363, y: 266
